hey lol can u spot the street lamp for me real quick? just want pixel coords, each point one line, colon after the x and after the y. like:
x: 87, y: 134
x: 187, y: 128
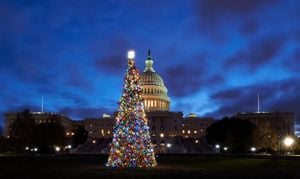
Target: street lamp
x: 57, y: 149
x: 288, y: 141
x: 217, y: 146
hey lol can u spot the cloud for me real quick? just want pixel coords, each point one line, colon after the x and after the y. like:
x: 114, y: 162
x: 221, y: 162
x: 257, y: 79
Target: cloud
x: 292, y: 62
x: 215, y: 10
x: 83, y: 112
x: 275, y: 95
x: 111, y: 60
x: 111, y: 63
x: 249, y: 27
x: 76, y: 99
x: 220, y: 21
x: 183, y: 79
x: 77, y: 79
x: 257, y: 54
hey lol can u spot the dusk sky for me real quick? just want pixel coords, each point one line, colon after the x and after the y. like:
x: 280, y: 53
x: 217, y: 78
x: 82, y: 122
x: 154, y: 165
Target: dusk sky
x: 214, y: 55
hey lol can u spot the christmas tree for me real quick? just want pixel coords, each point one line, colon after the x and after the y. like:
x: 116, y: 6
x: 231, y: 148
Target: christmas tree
x: 131, y: 144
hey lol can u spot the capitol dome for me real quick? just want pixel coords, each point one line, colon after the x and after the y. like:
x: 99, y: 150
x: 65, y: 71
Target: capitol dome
x: 154, y: 91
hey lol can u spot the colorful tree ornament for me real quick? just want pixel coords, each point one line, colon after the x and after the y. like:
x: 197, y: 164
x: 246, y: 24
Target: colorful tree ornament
x: 131, y: 144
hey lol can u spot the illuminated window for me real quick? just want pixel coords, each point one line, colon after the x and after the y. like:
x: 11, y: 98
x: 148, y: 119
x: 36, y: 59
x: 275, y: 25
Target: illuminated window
x: 195, y: 132
x: 183, y: 131
x: 162, y: 135
x: 188, y: 131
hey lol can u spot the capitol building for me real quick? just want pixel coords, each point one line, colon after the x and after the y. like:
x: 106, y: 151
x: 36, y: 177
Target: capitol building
x: 154, y: 91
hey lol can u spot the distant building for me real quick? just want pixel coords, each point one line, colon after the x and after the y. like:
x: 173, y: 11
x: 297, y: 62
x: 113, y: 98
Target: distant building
x: 195, y: 127
x: 43, y: 117
x: 164, y: 125
x: 282, y: 123
x: 99, y: 127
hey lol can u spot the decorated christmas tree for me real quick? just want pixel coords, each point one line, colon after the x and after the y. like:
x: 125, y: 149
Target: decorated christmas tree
x: 131, y: 144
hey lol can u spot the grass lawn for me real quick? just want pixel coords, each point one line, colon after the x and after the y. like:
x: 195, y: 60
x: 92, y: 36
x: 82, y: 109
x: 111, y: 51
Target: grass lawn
x: 191, y: 166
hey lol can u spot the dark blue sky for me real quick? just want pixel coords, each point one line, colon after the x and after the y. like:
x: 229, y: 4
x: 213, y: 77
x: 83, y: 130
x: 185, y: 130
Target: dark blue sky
x: 214, y: 56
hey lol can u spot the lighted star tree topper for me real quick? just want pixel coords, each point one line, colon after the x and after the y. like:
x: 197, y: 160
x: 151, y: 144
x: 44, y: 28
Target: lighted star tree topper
x: 131, y: 144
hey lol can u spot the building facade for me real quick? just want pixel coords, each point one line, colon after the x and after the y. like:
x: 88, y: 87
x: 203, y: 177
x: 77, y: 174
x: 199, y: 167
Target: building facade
x: 282, y: 123
x: 99, y: 127
x: 195, y: 127
x: 43, y: 117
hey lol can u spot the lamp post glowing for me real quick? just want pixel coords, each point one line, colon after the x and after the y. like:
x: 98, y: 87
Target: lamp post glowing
x: 57, y: 149
x: 217, y: 146
x: 288, y: 141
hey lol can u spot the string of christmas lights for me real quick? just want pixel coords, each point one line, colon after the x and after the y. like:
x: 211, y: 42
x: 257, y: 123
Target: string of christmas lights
x: 131, y: 144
